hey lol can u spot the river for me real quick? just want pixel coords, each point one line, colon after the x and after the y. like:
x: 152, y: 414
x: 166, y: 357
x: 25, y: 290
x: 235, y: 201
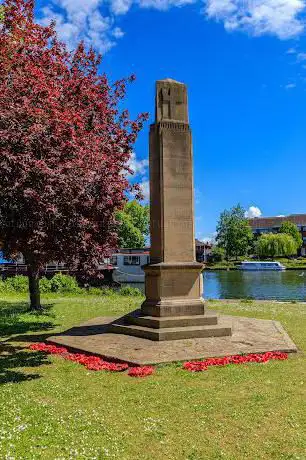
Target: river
x: 286, y: 285
x: 282, y: 285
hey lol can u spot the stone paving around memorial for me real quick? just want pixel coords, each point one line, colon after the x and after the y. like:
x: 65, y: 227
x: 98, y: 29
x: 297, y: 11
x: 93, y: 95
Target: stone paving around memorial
x: 249, y: 336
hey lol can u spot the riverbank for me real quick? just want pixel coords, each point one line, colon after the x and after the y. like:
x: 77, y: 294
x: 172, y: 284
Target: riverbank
x: 53, y: 408
x: 290, y: 264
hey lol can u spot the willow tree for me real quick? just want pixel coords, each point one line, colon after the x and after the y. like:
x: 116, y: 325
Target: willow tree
x: 276, y: 245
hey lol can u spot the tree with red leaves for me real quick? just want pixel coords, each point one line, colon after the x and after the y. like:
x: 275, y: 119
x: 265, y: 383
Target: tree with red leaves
x: 64, y: 148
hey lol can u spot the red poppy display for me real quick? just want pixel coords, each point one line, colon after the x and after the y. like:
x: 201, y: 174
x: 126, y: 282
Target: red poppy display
x: 198, y: 366
x: 94, y: 363
x: 141, y: 371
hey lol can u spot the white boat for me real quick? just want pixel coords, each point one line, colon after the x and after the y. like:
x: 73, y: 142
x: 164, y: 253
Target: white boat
x: 128, y: 265
x: 258, y: 265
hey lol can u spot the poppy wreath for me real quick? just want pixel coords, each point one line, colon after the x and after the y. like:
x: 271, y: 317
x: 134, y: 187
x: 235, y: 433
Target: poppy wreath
x: 91, y: 362
x: 94, y: 363
x: 198, y: 366
x: 142, y: 371
x: 52, y: 349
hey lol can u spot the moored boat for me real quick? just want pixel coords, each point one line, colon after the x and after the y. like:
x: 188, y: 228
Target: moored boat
x: 261, y: 265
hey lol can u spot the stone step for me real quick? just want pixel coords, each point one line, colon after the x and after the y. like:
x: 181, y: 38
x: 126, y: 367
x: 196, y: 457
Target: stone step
x: 160, y: 322
x: 171, y: 333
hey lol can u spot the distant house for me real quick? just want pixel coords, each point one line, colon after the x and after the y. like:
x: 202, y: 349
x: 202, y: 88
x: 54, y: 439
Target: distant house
x: 128, y: 265
x: 262, y: 225
x: 203, y: 250
x: 18, y: 267
x: 125, y: 266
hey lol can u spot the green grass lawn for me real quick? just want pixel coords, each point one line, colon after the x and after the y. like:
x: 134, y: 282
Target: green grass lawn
x: 56, y: 409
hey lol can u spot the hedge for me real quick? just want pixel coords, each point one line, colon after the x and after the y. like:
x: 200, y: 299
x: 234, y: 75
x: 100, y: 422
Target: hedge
x: 62, y: 284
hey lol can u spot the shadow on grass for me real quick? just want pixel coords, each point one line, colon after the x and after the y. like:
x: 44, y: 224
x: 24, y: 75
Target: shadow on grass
x: 16, y: 325
x: 14, y: 360
x: 15, y: 318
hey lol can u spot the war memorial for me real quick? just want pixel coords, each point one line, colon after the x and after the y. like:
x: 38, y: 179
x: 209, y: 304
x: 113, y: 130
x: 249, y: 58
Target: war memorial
x: 173, y: 323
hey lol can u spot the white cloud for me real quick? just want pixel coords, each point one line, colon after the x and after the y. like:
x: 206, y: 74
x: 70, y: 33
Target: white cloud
x: 139, y: 175
x: 301, y: 57
x: 206, y: 239
x: 163, y: 4
x: 123, y: 6
x: 120, y: 6
x: 117, y: 32
x: 253, y: 211
x: 78, y: 20
x: 281, y: 215
x: 139, y: 167
x: 290, y: 86
x: 145, y: 189
x: 258, y: 17
x: 82, y: 19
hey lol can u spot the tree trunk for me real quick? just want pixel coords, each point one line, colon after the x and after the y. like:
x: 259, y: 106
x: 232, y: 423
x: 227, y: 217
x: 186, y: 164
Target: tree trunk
x: 33, y: 275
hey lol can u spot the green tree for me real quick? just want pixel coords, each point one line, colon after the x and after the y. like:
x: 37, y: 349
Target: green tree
x: 217, y: 254
x: 276, y: 245
x: 291, y: 229
x: 234, y: 233
x: 133, y: 225
x: 65, y: 145
x: 139, y: 214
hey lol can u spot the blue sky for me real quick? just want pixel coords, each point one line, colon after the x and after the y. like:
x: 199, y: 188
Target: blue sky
x: 245, y: 66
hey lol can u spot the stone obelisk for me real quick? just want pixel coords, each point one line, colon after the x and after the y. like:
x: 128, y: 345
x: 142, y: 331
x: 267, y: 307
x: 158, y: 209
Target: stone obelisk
x: 174, y: 307
x: 173, y: 280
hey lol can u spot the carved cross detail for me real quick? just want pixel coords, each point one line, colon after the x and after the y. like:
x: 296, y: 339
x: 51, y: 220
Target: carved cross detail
x: 169, y: 100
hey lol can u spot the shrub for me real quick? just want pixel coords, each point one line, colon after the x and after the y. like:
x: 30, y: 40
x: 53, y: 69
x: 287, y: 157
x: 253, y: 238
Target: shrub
x: 64, y: 283
x: 130, y: 291
x: 100, y: 291
x: 93, y: 291
x: 107, y: 291
x: 217, y: 254
x: 17, y: 283
x: 45, y: 285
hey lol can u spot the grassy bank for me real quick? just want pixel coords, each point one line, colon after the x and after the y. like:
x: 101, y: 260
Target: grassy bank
x: 290, y: 264
x: 55, y: 409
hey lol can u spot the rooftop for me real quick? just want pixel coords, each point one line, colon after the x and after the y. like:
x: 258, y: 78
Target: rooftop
x: 298, y: 219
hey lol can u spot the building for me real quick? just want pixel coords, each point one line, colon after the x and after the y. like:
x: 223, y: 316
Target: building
x: 128, y: 265
x: 262, y: 225
x: 125, y: 266
x: 18, y: 267
x: 203, y: 250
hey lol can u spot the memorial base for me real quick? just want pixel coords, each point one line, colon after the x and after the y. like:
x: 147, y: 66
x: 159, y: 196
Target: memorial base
x: 174, y: 308
x: 249, y: 335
